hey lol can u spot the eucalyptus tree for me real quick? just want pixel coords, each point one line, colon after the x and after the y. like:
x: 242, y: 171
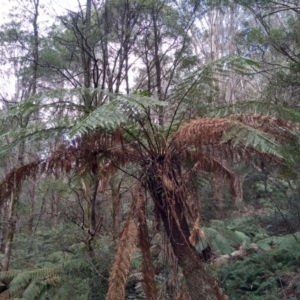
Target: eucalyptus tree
x: 164, y: 48
x: 270, y: 34
x: 23, y: 58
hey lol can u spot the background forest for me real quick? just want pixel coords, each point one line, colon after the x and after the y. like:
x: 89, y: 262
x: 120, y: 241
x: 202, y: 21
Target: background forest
x: 150, y: 150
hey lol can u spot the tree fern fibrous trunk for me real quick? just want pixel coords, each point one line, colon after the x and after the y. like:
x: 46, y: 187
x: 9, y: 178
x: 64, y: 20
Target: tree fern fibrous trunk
x: 144, y: 244
x: 167, y: 196
x: 120, y: 270
x: 93, y: 199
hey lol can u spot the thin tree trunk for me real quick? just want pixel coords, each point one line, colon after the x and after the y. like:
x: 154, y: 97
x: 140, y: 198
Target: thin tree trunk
x: 3, y: 226
x: 158, y: 69
x: 116, y: 207
x: 10, y: 232
x: 54, y: 208
x: 32, y: 206
x: 35, y: 46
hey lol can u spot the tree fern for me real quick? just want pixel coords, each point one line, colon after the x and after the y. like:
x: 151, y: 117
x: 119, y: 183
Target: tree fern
x: 123, y: 131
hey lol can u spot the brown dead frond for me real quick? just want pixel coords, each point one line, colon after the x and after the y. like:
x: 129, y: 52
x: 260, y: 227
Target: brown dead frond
x: 167, y: 183
x: 118, y: 137
x: 183, y: 295
x: 220, y: 293
x: 82, y: 155
x: 121, y: 266
x: 277, y: 127
x: 5, y: 295
x: 106, y: 171
x: 12, y: 181
x: 195, y: 233
x: 204, y: 131
x: 211, y: 164
x: 147, y: 266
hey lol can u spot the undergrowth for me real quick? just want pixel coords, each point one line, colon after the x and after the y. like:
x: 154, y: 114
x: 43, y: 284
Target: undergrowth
x: 56, y: 264
x: 271, y: 272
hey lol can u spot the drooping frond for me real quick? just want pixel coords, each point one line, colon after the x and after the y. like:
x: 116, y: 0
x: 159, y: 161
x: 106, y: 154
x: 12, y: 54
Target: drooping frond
x: 208, y: 163
x: 147, y: 266
x: 278, y: 128
x: 36, y: 286
x: 7, y: 276
x: 67, y: 99
x: 29, y: 283
x: 61, y: 112
x: 214, y: 134
x: 16, y: 176
x: 32, y: 133
x: 117, y: 111
x: 98, y: 152
x: 204, y: 131
x: 121, y: 266
x: 22, y: 280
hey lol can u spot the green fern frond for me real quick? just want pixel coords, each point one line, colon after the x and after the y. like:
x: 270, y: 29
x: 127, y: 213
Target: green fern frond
x: 63, y: 98
x: 36, y: 287
x: 247, y: 136
x: 22, y: 280
x: 114, y: 113
x: 33, y: 290
x: 138, y: 102
x: 30, y: 134
x: 107, y: 116
x: 8, y: 276
x: 76, y: 264
x: 58, y: 256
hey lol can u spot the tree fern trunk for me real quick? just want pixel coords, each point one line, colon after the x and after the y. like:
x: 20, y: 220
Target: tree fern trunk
x: 200, y: 284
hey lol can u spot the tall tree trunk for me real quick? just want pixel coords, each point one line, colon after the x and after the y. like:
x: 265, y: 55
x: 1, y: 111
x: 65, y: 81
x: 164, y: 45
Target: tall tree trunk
x: 10, y: 232
x: 3, y: 226
x: 35, y: 53
x: 31, y: 187
x: 86, y: 56
x: 54, y: 208
x: 116, y: 206
x: 158, y: 68
x: 12, y: 217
